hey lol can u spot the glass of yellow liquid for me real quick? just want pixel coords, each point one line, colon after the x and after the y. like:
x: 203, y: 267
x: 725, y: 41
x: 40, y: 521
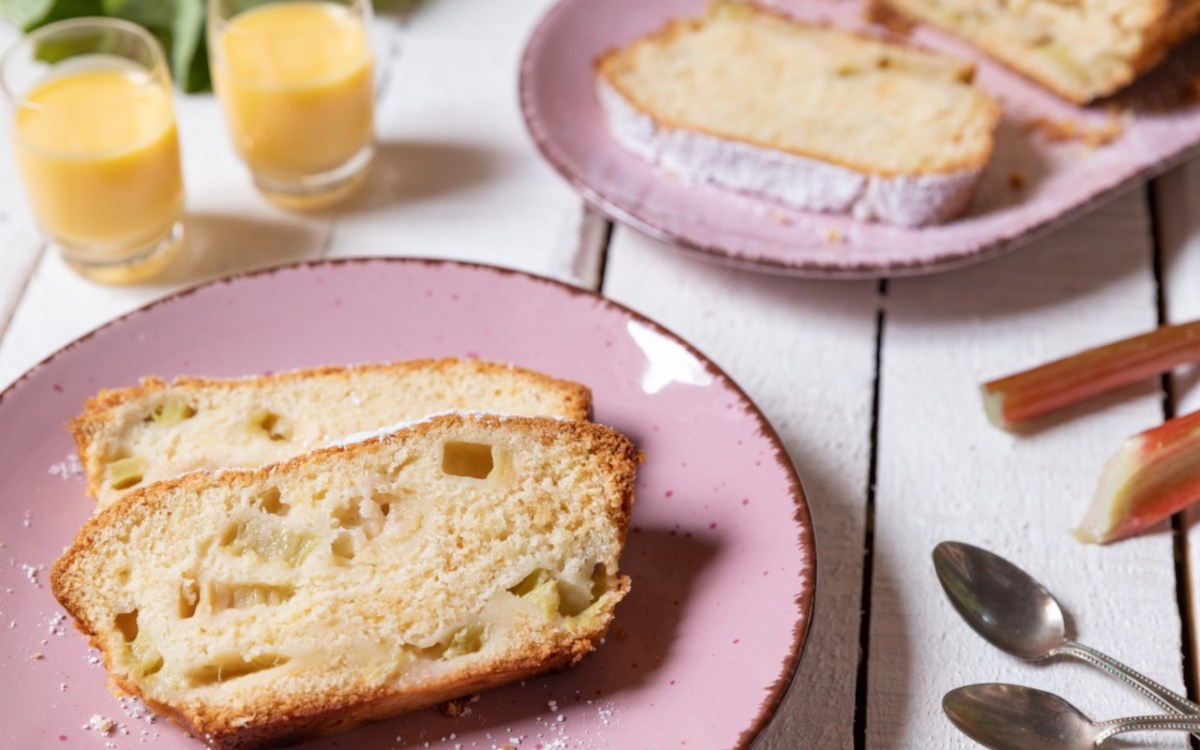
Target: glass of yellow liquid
x: 93, y: 130
x: 294, y: 78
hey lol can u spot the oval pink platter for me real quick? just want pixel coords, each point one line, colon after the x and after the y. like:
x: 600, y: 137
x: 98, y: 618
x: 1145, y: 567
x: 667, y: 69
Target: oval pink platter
x: 721, y: 552
x: 1033, y: 184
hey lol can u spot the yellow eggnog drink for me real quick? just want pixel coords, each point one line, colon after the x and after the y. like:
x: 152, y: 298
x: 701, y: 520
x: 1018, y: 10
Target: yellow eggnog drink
x: 295, y: 83
x: 92, y: 127
x: 98, y: 153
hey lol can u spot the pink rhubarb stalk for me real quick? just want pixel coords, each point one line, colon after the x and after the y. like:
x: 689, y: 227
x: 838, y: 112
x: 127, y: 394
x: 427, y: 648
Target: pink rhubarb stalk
x: 1021, y: 397
x: 1154, y: 475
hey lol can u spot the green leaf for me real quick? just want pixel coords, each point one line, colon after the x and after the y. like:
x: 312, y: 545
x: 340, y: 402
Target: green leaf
x: 30, y: 14
x: 402, y: 7
x: 179, y: 25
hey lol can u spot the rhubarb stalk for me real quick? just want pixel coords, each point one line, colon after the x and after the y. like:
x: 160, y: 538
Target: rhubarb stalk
x: 1019, y: 398
x: 1154, y: 475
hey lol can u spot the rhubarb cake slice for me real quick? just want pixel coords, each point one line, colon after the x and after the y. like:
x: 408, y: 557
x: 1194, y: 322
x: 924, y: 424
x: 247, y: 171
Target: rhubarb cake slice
x: 810, y: 116
x: 1081, y: 50
x: 264, y: 606
x: 131, y: 437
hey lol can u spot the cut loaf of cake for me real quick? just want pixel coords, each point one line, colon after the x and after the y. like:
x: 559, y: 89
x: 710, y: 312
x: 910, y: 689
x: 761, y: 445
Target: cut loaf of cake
x: 131, y: 437
x: 1080, y: 49
x: 809, y: 116
x: 359, y: 581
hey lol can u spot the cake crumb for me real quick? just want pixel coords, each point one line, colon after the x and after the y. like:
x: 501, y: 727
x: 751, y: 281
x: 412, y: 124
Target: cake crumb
x: 883, y: 14
x: 831, y: 234
x: 1053, y: 130
x: 1102, y: 135
x: 457, y: 707
x: 1016, y: 180
x: 1092, y: 136
x: 102, y: 724
x: 38, y: 656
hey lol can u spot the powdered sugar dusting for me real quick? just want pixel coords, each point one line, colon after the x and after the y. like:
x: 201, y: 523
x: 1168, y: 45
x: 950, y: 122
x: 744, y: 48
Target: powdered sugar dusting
x: 32, y: 572
x: 797, y: 181
x: 68, y: 468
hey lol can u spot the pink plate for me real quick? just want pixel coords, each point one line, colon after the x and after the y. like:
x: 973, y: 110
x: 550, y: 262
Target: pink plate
x: 721, y: 552
x: 1031, y: 186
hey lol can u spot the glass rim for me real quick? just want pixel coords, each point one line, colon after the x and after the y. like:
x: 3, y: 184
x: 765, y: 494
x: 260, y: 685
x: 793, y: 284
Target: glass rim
x: 360, y: 7
x: 83, y: 22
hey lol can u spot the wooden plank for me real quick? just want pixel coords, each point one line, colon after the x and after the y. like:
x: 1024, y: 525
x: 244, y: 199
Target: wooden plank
x: 804, y: 352
x: 20, y: 249
x: 20, y: 244
x: 456, y: 174
x: 1178, y: 202
x: 945, y: 473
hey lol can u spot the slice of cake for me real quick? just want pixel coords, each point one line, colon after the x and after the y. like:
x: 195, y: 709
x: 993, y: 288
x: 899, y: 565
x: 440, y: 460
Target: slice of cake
x: 360, y: 581
x: 1081, y: 50
x: 130, y: 437
x: 809, y: 116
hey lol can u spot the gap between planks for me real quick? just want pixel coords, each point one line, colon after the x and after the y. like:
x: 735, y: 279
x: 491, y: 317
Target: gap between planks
x: 1183, y: 588
x: 862, y: 680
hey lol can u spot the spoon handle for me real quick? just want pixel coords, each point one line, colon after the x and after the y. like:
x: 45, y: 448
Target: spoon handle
x: 1164, y: 697
x: 1107, y: 729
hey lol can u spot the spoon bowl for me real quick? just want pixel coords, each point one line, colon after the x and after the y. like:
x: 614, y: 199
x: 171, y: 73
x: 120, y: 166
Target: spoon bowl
x: 1014, y: 717
x: 1001, y: 602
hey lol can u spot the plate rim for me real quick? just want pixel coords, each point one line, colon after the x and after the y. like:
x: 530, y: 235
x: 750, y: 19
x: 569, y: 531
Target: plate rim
x: 802, y: 514
x: 805, y: 268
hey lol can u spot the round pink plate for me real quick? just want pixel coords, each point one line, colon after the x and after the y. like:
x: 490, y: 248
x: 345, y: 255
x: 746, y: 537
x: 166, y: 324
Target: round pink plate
x: 1032, y: 184
x: 721, y: 551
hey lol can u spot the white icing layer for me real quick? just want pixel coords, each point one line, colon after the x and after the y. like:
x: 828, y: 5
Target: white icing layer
x: 798, y: 181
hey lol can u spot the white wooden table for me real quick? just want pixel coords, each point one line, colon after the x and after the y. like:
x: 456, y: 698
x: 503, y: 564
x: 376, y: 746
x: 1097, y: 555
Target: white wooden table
x: 872, y: 385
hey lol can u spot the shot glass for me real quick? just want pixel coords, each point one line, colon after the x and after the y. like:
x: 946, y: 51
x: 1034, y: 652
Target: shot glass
x: 294, y: 78
x: 92, y: 128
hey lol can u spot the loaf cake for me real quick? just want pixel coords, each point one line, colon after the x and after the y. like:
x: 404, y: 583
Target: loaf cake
x: 809, y: 116
x: 1081, y: 50
x: 359, y: 581
x: 131, y: 437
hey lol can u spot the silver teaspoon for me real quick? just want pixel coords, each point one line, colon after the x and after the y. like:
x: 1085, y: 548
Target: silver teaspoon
x: 1018, y: 615
x: 1012, y: 717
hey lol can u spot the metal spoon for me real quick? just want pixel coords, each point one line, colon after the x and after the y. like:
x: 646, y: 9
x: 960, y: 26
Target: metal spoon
x: 1018, y: 615
x: 1012, y: 717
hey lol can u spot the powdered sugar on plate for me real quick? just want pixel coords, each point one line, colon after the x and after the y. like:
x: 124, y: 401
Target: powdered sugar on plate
x: 68, y: 468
